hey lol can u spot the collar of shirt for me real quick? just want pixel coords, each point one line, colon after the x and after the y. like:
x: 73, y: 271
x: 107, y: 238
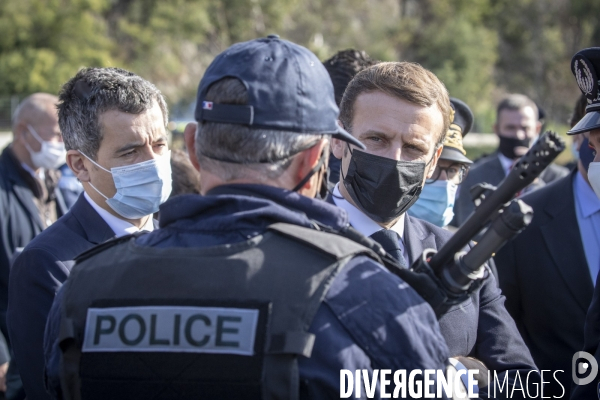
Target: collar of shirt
x: 360, y: 221
x: 506, y: 162
x: 39, y: 175
x: 586, y: 198
x: 119, y: 227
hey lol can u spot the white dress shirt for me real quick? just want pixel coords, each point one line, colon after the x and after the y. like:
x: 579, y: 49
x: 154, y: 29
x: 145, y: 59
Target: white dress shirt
x: 119, y: 226
x: 364, y: 224
x: 506, y: 162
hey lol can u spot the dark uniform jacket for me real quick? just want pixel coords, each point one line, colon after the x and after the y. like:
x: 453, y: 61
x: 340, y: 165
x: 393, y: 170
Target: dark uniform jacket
x: 489, y: 169
x: 546, y: 280
x: 369, y: 318
x: 35, y: 278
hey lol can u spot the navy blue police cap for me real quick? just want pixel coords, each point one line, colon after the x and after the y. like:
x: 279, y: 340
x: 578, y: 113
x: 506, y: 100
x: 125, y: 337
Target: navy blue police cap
x: 289, y: 89
x: 585, y: 65
x: 453, y: 149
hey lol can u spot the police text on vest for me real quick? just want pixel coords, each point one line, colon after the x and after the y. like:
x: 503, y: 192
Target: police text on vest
x: 171, y: 329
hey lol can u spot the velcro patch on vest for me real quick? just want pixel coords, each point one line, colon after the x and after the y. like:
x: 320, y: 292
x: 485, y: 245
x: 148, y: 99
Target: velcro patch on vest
x: 217, y: 330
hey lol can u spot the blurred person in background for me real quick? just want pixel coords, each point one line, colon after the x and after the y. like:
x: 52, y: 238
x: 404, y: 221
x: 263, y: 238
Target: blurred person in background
x: 517, y: 126
x: 342, y: 67
x: 29, y: 197
x: 114, y: 128
x: 548, y: 272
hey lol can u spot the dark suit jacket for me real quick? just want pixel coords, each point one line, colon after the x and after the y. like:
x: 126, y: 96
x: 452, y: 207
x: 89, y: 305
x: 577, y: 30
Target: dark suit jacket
x: 489, y: 169
x: 36, y: 276
x: 546, y: 280
x: 481, y: 327
x: 19, y: 223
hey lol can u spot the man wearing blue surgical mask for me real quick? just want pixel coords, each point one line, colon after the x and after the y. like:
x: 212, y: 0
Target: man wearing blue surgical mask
x: 436, y: 201
x: 30, y: 199
x: 114, y: 128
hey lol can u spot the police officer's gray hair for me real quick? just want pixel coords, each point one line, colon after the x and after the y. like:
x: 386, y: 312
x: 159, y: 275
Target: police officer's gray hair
x: 94, y: 91
x: 515, y: 102
x: 245, y: 147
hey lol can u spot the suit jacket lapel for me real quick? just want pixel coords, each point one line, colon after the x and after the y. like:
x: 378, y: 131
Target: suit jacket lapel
x: 416, y: 238
x: 563, y: 234
x: 96, y: 229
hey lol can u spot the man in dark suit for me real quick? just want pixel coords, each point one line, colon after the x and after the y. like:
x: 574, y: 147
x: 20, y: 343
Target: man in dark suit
x: 401, y: 112
x: 546, y: 278
x: 550, y: 314
x: 107, y: 135
x: 517, y: 126
x: 29, y: 196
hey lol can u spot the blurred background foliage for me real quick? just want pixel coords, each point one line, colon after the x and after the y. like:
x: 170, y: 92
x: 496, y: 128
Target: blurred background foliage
x: 481, y: 49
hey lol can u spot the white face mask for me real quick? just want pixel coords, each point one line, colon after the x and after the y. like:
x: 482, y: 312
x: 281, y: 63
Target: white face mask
x: 52, y: 154
x: 141, y: 187
x: 594, y: 177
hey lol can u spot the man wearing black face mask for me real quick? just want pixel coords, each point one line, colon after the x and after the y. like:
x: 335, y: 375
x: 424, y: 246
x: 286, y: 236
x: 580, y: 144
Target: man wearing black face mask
x: 564, y: 266
x: 517, y: 127
x: 400, y: 112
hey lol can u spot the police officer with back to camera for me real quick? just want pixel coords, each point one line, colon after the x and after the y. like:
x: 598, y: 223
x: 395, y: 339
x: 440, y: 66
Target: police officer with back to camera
x: 243, y: 292
x: 585, y: 65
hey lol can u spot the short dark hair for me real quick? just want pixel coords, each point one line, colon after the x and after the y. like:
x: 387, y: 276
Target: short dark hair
x: 404, y: 80
x: 516, y: 102
x: 93, y: 91
x: 343, y: 66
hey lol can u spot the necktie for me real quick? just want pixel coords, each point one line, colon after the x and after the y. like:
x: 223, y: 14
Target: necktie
x: 390, y: 241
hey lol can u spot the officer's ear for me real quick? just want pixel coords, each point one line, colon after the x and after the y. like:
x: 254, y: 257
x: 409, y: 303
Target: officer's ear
x: 337, y: 146
x: 306, y: 161
x: 189, y: 136
x: 75, y: 162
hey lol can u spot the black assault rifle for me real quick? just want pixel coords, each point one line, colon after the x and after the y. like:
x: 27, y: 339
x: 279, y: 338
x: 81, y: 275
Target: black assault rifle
x: 447, y: 277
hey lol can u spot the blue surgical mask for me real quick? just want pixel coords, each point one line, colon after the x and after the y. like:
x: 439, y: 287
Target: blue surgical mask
x: 436, y: 203
x: 141, y: 187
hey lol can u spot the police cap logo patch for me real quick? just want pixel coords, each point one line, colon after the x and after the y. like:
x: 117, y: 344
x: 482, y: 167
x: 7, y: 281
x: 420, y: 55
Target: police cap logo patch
x: 586, y: 77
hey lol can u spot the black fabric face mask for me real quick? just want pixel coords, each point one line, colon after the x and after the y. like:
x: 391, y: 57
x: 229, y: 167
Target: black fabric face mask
x: 507, y: 146
x: 381, y: 187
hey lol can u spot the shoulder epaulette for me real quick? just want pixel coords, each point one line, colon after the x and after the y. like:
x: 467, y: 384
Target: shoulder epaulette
x: 107, y: 245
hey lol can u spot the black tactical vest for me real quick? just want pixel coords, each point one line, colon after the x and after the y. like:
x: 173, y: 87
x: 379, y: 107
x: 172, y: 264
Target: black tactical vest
x: 197, y: 323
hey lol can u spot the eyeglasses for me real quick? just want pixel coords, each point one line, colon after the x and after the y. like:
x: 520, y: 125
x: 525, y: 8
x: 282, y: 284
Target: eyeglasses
x: 455, y: 172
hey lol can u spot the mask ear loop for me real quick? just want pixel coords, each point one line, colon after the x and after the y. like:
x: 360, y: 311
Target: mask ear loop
x: 310, y: 173
x: 99, y: 166
x: 341, y: 174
